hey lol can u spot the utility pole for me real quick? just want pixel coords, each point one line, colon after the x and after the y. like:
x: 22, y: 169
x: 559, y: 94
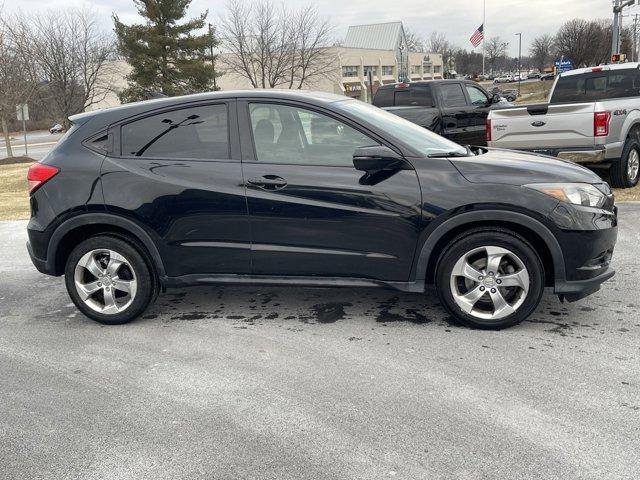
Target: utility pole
x: 213, y: 58
x: 618, y: 5
x: 519, y: 60
x: 484, y: 31
x: 634, y: 51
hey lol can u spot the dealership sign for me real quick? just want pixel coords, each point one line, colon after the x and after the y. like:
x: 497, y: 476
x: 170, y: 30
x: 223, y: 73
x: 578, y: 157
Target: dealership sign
x: 563, y: 65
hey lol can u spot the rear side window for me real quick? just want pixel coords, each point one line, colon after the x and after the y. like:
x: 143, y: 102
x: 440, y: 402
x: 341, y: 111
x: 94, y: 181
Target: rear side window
x: 383, y: 97
x: 414, y: 96
x: 452, y: 95
x: 596, y: 86
x: 188, y: 133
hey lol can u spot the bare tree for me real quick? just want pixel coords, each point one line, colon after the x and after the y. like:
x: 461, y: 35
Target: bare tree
x: 542, y: 50
x: 415, y: 43
x: 70, y: 54
x: 495, y: 49
x: 275, y: 47
x: 17, y: 80
x: 438, y: 43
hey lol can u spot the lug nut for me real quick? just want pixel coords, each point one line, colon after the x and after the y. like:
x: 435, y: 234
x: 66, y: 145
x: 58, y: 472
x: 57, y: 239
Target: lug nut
x: 498, y: 282
x: 480, y: 278
x: 493, y: 290
x: 482, y: 289
x: 99, y: 284
x: 491, y: 274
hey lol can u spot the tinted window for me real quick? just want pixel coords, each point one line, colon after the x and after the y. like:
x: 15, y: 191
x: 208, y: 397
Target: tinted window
x: 452, y: 95
x: 477, y: 96
x: 415, y: 96
x: 284, y: 134
x: 197, y: 132
x: 597, y: 86
x: 383, y: 97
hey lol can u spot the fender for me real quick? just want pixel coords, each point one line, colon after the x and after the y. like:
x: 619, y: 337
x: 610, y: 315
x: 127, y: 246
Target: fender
x: 441, y: 230
x: 632, y: 121
x: 104, y: 219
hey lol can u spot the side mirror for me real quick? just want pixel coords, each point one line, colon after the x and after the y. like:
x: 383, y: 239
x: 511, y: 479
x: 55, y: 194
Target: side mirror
x: 378, y: 158
x: 496, y: 98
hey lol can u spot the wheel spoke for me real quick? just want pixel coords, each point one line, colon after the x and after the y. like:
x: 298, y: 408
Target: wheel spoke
x: 110, y: 305
x: 92, y: 265
x: 127, y: 286
x: 518, y: 279
x: 494, y: 258
x: 85, y: 290
x: 469, y: 299
x: 466, y: 270
x: 500, y: 305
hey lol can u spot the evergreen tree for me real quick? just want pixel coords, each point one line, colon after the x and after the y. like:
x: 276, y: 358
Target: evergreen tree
x: 166, y: 56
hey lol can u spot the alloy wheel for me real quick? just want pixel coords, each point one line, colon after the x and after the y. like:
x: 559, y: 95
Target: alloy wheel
x: 489, y: 283
x: 105, y: 281
x: 633, y: 165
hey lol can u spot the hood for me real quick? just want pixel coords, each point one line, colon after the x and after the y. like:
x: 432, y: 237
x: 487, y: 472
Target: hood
x: 518, y: 168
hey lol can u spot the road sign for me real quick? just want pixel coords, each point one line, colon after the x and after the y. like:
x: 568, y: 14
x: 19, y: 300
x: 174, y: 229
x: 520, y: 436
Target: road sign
x: 563, y: 65
x: 22, y: 112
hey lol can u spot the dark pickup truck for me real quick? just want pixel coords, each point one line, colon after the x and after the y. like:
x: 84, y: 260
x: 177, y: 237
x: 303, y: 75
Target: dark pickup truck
x: 455, y: 109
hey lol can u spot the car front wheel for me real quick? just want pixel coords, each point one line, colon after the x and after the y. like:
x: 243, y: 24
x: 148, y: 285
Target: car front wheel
x: 109, y: 280
x: 490, y: 279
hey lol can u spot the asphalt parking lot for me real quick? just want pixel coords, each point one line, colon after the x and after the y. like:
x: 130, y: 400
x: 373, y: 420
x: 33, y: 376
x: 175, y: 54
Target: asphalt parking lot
x: 275, y: 383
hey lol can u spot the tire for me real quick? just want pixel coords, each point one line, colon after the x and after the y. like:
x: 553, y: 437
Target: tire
x: 109, y: 280
x: 519, y: 266
x: 625, y: 173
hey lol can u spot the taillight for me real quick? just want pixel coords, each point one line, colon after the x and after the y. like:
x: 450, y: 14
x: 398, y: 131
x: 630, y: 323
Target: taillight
x: 601, y: 124
x: 487, y: 128
x: 40, y: 174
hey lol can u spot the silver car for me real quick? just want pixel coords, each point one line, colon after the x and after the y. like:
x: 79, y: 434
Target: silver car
x: 592, y: 117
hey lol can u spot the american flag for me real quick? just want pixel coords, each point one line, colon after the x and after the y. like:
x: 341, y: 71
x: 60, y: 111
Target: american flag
x: 477, y: 36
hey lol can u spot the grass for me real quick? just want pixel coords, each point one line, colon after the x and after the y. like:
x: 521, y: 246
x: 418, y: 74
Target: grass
x: 14, y: 199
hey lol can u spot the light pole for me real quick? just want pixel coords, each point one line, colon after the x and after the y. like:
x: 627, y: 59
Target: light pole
x: 519, y: 60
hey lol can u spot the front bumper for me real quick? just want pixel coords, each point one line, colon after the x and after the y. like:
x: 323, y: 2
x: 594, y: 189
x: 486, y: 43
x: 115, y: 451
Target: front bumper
x: 587, y: 238
x: 573, y: 291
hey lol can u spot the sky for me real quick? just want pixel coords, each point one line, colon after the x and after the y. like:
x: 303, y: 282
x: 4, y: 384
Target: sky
x: 458, y: 19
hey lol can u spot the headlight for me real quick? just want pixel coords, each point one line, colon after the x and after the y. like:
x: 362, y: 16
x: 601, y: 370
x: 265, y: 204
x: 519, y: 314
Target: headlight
x: 576, y: 193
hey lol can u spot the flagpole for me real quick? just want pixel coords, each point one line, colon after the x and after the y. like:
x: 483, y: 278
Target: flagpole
x: 484, y: 31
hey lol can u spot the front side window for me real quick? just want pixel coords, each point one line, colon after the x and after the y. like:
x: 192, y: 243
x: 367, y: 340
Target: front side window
x: 477, y: 96
x: 188, y: 133
x: 420, y: 139
x: 291, y: 135
x: 452, y: 95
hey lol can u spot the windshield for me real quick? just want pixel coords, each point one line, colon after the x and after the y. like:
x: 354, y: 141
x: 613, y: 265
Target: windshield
x: 420, y: 139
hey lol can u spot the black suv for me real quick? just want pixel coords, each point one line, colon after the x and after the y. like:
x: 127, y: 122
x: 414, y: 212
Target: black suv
x: 313, y: 189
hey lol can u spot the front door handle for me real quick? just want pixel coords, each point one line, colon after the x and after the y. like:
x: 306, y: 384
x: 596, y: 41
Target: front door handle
x: 268, y: 182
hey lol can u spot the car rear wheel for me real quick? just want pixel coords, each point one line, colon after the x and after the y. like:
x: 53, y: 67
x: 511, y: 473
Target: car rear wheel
x: 625, y: 172
x: 109, y: 280
x: 490, y: 279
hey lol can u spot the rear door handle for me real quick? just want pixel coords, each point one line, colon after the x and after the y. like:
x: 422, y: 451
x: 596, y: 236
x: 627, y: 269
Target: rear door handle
x: 268, y: 182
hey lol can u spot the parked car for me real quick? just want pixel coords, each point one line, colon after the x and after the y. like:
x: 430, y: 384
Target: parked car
x: 455, y: 109
x: 503, y: 79
x: 308, y: 189
x: 547, y: 77
x: 57, y: 128
x: 593, y: 117
x: 533, y: 76
x: 508, y: 95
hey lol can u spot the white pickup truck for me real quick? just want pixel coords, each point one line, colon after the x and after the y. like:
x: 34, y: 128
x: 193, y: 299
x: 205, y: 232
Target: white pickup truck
x: 592, y: 117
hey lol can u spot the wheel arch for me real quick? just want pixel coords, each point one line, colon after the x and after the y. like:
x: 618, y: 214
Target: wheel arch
x: 68, y: 234
x: 536, y: 233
